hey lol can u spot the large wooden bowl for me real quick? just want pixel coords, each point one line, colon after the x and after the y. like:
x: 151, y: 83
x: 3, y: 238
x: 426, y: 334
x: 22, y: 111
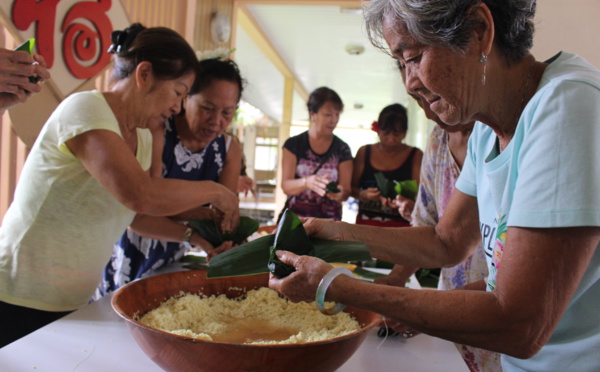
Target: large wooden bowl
x: 178, y: 353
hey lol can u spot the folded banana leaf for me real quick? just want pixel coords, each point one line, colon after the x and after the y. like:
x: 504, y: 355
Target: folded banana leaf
x: 210, y: 231
x: 290, y: 236
x: 332, y: 188
x: 408, y: 189
x: 253, y: 257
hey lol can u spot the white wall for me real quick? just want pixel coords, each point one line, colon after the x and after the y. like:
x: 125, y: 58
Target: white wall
x: 569, y: 25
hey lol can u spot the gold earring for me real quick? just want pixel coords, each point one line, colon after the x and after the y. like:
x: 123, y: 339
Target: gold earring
x: 484, y: 61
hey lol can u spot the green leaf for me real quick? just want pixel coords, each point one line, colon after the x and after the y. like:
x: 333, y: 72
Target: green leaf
x: 194, y: 262
x: 208, y: 229
x: 27, y: 46
x: 257, y: 256
x: 332, y: 188
x: 246, y: 259
x: 386, y: 187
x: 246, y: 227
x: 407, y: 189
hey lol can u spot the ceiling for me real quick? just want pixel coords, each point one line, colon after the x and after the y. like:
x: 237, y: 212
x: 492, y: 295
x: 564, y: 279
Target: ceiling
x: 308, y: 43
x: 306, y: 40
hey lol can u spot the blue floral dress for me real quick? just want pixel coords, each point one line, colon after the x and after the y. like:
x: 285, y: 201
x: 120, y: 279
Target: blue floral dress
x: 135, y: 256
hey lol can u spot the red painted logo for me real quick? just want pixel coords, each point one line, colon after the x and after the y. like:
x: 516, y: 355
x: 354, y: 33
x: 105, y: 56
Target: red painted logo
x: 83, y: 47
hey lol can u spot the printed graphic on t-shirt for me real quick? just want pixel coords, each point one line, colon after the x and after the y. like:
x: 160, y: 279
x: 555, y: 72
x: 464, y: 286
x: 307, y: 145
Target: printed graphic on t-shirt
x: 498, y: 251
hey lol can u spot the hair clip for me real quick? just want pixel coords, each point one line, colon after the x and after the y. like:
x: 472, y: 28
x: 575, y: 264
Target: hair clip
x: 122, y: 39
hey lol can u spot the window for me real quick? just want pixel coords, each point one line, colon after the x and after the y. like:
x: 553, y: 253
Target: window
x: 265, y: 153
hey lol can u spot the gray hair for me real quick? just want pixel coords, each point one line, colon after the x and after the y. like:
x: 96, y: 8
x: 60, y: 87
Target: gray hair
x: 449, y: 24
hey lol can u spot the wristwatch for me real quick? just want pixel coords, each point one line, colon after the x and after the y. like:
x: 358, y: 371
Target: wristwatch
x: 187, y: 235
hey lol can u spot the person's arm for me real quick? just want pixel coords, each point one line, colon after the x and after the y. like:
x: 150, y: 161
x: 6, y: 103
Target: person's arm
x: 294, y: 186
x: 371, y: 193
x: 357, y: 171
x: 108, y: 159
x: 344, y: 179
x: 231, y: 169
x: 447, y: 244
x: 158, y: 143
x: 161, y: 228
x: 541, y: 269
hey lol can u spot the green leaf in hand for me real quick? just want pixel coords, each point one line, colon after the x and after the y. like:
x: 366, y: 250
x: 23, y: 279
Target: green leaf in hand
x: 258, y: 256
x: 386, y: 187
x: 332, y: 188
x: 290, y: 236
x: 208, y: 229
x: 407, y: 189
x: 27, y: 46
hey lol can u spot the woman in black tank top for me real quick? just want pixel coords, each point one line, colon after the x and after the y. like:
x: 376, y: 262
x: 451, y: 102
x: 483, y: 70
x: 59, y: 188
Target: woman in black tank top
x: 390, y: 156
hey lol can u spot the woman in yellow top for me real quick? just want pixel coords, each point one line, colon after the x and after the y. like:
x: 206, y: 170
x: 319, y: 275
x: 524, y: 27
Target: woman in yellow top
x: 92, y: 168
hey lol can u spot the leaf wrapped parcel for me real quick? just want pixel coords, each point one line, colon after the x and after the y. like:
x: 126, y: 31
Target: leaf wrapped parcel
x: 253, y: 257
x: 209, y: 230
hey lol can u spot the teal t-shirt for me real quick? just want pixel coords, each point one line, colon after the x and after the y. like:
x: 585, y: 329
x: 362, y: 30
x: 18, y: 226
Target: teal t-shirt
x: 548, y: 176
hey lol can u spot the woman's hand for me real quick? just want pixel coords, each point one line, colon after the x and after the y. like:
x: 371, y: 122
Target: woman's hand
x: 371, y: 193
x: 245, y: 185
x: 301, y: 285
x: 228, y: 204
x: 317, y: 183
x: 15, y: 70
x: 405, y: 206
x: 198, y: 241
x: 337, y: 196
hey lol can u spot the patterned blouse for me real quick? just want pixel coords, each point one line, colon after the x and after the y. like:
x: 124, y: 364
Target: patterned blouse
x: 439, y: 173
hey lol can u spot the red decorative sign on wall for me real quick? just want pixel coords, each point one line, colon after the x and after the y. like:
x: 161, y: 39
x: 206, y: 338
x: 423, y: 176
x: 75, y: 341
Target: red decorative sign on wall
x: 73, y: 36
x: 80, y: 42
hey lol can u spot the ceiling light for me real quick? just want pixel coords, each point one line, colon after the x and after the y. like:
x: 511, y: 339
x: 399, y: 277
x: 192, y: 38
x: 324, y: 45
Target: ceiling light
x: 358, y: 105
x: 355, y: 49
